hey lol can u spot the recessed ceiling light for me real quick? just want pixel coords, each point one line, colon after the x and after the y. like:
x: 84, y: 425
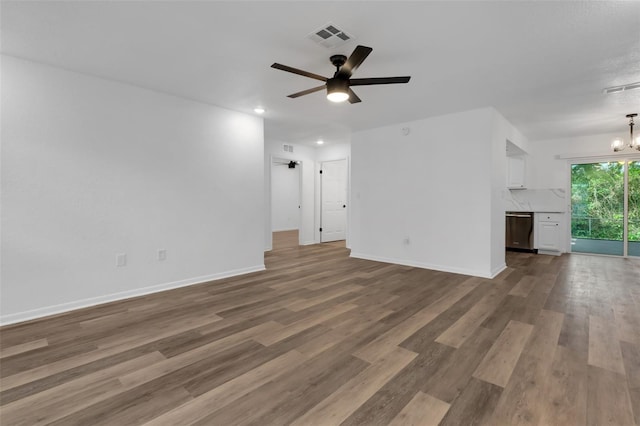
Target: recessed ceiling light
x: 259, y: 110
x: 320, y: 142
x: 624, y: 87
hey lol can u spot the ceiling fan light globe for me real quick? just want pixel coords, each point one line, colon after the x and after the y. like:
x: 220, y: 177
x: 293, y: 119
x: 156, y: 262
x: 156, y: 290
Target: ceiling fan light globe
x: 337, y: 96
x: 337, y: 89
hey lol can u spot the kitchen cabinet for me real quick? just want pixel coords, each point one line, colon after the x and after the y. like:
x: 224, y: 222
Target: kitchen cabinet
x: 516, y: 172
x: 549, y: 232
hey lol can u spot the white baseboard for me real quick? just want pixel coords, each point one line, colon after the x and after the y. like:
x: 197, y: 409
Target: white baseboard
x: 549, y: 252
x: 497, y: 270
x: 423, y: 265
x: 84, y: 303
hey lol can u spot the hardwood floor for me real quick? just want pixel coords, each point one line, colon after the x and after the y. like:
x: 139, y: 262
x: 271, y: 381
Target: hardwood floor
x: 320, y: 338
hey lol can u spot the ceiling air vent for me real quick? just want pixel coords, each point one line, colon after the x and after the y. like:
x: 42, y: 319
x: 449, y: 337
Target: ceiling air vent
x: 616, y: 89
x: 330, y: 36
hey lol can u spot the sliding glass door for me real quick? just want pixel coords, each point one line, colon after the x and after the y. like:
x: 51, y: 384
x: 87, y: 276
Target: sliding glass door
x: 605, y: 208
x: 634, y: 208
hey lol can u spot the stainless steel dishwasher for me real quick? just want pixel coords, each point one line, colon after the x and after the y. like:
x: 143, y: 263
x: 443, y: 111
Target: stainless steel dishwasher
x: 519, y: 233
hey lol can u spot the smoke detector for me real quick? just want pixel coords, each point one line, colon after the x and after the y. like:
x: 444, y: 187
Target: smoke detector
x: 330, y: 36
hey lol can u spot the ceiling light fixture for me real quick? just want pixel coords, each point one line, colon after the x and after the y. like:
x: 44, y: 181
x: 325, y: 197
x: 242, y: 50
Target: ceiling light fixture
x: 337, y: 89
x: 618, y: 144
x: 259, y: 110
x: 320, y: 142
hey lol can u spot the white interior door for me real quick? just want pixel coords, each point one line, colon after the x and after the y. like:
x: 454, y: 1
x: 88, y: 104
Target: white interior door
x: 333, y: 193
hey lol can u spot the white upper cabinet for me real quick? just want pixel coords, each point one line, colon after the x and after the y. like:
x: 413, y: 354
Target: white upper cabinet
x: 516, y: 172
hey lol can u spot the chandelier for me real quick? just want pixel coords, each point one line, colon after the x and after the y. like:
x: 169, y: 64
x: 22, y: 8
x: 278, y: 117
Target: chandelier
x: 618, y: 144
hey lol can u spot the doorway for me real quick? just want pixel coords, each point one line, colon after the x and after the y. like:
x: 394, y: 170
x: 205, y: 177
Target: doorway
x: 605, y: 208
x: 333, y: 200
x: 285, y: 200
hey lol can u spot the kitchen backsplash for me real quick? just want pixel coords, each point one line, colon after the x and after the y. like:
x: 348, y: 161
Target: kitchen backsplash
x: 535, y: 200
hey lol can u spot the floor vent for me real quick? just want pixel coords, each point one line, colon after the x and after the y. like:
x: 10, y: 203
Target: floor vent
x: 330, y: 36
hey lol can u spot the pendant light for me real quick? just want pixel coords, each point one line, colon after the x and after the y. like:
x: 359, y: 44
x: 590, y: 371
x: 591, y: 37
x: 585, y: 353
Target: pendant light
x: 618, y: 144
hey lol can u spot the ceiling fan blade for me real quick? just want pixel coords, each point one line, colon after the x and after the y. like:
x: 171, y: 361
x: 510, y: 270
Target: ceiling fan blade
x: 357, y: 57
x: 378, y: 80
x: 306, y: 92
x: 297, y: 71
x: 353, y: 98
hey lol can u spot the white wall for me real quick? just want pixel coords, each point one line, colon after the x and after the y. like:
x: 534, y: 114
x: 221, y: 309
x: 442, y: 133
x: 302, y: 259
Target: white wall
x: 285, y: 197
x: 333, y: 152
x: 546, y: 170
x: 433, y: 187
x: 91, y: 168
x: 502, y: 131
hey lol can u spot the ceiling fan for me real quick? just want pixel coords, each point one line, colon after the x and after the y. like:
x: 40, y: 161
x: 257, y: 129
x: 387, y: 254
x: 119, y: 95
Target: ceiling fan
x: 291, y: 164
x: 339, y: 86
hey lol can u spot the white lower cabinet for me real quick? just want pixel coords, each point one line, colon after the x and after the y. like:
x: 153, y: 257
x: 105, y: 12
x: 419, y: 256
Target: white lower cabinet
x: 548, y: 232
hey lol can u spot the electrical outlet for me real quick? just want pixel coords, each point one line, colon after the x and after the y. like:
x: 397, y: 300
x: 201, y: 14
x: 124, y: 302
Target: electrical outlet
x: 121, y: 259
x: 162, y: 255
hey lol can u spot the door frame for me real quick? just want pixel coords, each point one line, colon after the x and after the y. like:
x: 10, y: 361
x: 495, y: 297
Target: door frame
x: 272, y: 159
x: 603, y: 159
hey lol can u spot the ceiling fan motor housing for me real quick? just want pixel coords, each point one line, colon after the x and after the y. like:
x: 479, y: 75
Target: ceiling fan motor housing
x: 337, y: 84
x: 338, y: 60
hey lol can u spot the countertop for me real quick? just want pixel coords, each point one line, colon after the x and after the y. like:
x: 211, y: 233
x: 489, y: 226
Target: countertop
x: 535, y: 211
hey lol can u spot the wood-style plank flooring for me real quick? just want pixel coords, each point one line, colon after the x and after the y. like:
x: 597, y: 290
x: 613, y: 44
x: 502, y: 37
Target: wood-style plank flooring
x: 323, y: 339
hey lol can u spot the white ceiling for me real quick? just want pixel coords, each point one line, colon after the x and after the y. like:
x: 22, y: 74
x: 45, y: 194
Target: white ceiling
x: 543, y: 65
